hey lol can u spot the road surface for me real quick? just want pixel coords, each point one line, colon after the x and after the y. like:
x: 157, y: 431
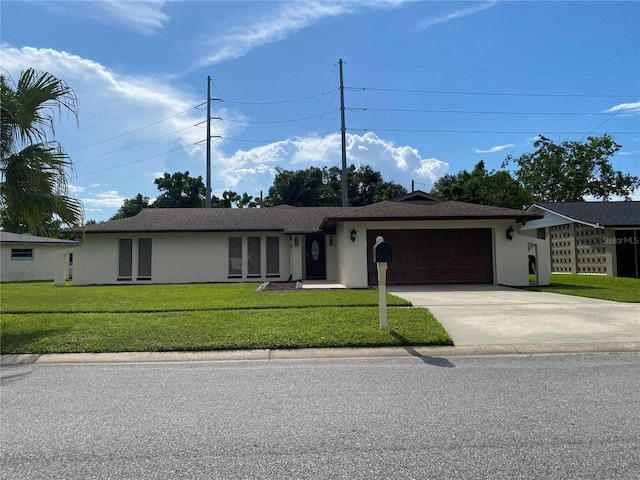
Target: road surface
x: 540, y: 417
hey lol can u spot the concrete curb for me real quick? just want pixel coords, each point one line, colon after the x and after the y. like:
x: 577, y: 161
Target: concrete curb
x: 319, y: 353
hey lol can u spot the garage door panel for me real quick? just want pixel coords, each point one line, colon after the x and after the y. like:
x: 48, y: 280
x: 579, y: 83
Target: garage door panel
x: 435, y: 256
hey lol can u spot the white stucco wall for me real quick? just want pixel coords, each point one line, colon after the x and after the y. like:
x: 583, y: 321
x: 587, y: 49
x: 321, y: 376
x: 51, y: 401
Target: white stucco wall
x: 352, y: 256
x: 510, y: 257
x: 332, y: 257
x: 204, y: 257
x: 175, y: 258
x: 41, y: 267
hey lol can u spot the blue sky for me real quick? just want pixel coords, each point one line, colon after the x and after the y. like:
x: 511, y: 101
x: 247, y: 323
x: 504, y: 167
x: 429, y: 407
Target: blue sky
x: 430, y: 87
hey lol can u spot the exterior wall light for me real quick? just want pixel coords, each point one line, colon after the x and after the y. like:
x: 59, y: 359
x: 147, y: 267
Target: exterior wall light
x: 353, y: 235
x: 510, y: 232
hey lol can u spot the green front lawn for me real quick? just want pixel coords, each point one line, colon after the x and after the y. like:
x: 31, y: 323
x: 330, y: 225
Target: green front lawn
x: 44, y: 297
x: 42, y: 318
x: 595, y: 286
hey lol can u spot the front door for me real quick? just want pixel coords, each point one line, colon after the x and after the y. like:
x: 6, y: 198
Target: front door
x: 316, y: 263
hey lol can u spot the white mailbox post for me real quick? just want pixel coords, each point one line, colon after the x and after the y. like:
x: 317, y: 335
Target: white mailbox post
x: 382, y: 256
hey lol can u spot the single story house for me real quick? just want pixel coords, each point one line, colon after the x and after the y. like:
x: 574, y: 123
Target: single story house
x: 591, y: 237
x: 25, y: 257
x: 432, y: 241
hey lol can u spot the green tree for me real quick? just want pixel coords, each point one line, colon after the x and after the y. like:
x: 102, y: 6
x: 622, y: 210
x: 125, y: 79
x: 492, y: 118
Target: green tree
x: 180, y: 191
x: 247, y: 201
x: 131, y: 207
x: 496, y: 188
x: 320, y: 188
x: 34, y: 181
x: 572, y: 170
x: 371, y: 188
x: 303, y: 188
x: 228, y: 200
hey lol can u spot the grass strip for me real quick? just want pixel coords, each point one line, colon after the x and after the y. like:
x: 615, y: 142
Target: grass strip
x: 46, y: 298
x: 603, y: 287
x: 217, y: 330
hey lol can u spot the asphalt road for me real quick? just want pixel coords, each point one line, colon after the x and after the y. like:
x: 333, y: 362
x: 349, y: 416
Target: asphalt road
x: 540, y: 417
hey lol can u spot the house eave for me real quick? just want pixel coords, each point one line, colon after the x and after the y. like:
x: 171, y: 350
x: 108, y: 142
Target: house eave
x: 331, y: 222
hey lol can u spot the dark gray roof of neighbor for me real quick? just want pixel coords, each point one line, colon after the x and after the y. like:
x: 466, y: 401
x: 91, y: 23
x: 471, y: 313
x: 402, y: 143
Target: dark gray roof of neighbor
x: 426, y: 210
x: 605, y: 214
x: 25, y: 238
x: 285, y: 219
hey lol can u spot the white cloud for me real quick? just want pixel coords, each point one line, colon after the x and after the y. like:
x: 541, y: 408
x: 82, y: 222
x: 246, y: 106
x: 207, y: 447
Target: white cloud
x: 625, y: 107
x: 119, y: 112
x: 108, y: 199
x: 277, y: 24
x: 497, y: 148
x: 430, y: 170
x: 430, y: 22
x: 74, y: 189
x: 393, y: 162
x: 371, y: 150
x: 142, y: 16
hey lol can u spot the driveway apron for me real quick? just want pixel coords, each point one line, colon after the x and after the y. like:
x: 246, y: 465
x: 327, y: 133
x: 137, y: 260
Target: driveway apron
x: 495, y: 315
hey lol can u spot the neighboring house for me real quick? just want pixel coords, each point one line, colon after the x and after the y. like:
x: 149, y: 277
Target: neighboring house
x: 433, y: 241
x: 591, y: 237
x: 25, y: 257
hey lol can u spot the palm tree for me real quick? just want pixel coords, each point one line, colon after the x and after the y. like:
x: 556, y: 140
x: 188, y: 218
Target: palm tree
x: 33, y: 182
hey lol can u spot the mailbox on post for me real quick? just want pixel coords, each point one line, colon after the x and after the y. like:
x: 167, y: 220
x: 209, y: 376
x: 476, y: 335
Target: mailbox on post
x: 382, y: 256
x: 381, y: 251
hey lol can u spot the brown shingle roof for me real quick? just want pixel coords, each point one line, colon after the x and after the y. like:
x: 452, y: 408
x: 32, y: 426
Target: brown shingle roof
x: 287, y: 220
x: 297, y: 219
x: 437, y: 210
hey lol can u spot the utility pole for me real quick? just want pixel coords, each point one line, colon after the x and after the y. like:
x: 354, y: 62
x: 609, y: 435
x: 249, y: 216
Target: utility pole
x: 208, y: 186
x: 208, y: 189
x: 345, y: 183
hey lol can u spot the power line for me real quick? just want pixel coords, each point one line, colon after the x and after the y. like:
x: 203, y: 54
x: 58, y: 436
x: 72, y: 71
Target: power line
x: 274, y: 74
x: 453, y: 92
x: 132, y: 131
x: 522, y: 132
x: 279, y: 102
x: 283, y: 121
x: 614, y: 114
x: 280, y: 140
x: 134, y: 145
x: 521, y: 72
x: 418, y: 110
x: 136, y: 161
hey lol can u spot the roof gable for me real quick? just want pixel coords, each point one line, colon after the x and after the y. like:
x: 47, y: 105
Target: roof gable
x: 417, y: 196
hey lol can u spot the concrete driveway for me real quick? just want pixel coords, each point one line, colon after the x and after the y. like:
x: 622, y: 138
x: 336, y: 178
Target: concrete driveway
x: 495, y: 315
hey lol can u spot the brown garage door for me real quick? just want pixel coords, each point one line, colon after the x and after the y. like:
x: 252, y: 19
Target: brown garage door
x: 435, y: 256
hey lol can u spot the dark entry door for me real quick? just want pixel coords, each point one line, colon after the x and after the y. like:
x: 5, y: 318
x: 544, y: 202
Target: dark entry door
x: 316, y: 262
x: 628, y: 253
